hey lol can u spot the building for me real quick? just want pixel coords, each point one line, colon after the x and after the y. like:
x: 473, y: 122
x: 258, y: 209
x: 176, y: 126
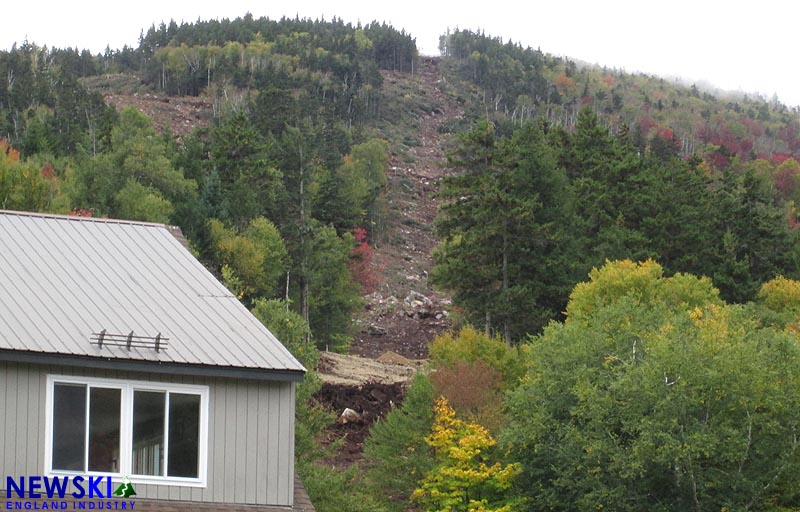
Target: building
x: 122, y: 356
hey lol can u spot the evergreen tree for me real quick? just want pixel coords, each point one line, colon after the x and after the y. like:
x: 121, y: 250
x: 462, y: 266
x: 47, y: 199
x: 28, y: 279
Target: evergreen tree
x: 250, y: 185
x: 505, y: 231
x: 754, y: 242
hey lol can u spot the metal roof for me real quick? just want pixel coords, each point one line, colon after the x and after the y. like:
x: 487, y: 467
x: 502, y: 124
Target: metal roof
x: 63, y: 279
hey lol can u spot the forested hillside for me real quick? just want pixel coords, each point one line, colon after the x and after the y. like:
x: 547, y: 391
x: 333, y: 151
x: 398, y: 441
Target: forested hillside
x: 516, y: 84
x: 568, y: 166
x: 305, y: 162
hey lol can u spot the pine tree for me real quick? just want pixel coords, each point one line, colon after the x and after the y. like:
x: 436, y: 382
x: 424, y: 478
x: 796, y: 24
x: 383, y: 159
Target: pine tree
x: 506, y: 231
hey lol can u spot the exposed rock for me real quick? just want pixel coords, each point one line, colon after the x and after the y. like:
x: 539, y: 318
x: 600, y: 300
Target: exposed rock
x: 349, y: 416
x: 376, y: 330
x: 417, y: 298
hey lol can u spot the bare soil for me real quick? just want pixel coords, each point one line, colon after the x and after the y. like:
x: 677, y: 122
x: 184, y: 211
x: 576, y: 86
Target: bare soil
x: 349, y: 370
x: 366, y: 404
x: 181, y: 114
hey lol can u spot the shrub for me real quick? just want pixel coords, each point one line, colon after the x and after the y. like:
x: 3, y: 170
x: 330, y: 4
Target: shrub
x: 470, y: 346
x: 474, y: 390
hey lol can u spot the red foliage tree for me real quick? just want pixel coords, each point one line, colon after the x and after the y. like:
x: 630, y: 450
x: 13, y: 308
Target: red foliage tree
x: 785, y: 177
x: 754, y: 127
x: 790, y: 134
x: 361, y: 267
x: 647, y: 123
x: 779, y: 158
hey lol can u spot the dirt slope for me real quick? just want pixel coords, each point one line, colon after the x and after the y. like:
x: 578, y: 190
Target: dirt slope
x: 405, y: 314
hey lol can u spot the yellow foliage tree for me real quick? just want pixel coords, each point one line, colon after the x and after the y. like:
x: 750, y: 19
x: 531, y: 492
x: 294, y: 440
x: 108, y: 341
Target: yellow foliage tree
x: 781, y: 294
x: 780, y: 301
x: 464, y: 478
x: 252, y: 261
x: 643, y: 282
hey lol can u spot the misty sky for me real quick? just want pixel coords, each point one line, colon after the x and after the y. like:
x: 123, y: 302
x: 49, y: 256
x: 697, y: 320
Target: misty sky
x: 734, y: 45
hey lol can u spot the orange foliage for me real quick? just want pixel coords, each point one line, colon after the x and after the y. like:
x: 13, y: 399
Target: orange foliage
x: 11, y: 154
x: 473, y: 389
x: 48, y: 172
x: 565, y: 84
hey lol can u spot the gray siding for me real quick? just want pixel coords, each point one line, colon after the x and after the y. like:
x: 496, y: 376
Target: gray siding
x: 250, y: 434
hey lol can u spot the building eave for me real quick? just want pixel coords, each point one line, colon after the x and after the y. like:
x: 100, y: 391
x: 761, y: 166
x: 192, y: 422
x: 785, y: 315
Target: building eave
x: 157, y: 367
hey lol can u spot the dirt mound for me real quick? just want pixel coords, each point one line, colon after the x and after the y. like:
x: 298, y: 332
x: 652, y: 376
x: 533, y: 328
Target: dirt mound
x: 368, y: 403
x: 395, y: 358
x: 348, y: 370
x: 371, y: 401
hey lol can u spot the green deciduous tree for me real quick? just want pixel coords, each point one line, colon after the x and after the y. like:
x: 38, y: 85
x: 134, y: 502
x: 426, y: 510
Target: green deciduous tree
x: 135, y: 201
x: 289, y: 327
x: 654, y: 395
x: 137, y: 165
x: 256, y: 258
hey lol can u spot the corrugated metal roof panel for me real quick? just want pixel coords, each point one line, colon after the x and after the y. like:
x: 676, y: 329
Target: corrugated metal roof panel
x: 64, y: 278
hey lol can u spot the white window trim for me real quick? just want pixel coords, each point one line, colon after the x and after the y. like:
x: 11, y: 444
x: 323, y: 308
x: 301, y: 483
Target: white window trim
x: 127, y: 388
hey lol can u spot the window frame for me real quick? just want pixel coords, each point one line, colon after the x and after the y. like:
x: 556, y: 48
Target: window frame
x: 128, y: 387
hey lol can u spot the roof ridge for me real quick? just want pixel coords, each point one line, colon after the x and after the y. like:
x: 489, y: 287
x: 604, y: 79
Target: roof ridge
x: 80, y: 218
x: 175, y: 231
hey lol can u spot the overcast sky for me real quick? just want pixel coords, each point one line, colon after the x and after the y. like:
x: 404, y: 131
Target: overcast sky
x: 734, y: 45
